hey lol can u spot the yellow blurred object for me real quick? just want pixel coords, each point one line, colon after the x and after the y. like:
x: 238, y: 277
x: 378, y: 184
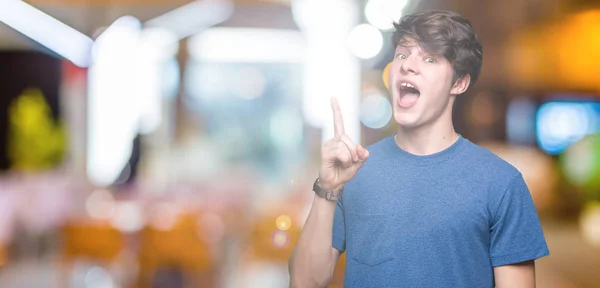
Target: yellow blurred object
x: 577, y: 45
x: 531, y: 66
x: 386, y: 74
x: 269, y: 243
x: 557, y: 56
x: 283, y: 222
x: 35, y: 142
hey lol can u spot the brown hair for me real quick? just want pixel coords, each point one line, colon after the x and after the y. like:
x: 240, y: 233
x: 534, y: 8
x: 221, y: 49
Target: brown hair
x: 444, y: 33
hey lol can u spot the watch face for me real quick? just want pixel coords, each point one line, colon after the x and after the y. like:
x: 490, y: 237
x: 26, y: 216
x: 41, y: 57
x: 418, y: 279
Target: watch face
x: 332, y: 196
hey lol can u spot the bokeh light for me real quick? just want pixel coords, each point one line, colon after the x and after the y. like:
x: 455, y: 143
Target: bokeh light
x: 280, y: 239
x: 365, y: 41
x: 100, y: 204
x: 283, y: 222
x: 98, y: 277
x: 383, y: 13
x: 581, y: 163
x: 164, y: 216
x: 128, y: 217
x: 589, y: 223
x: 385, y: 76
x: 560, y: 124
x: 375, y: 111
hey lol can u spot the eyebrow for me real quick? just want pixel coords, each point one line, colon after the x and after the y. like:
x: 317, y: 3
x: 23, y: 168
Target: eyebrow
x: 421, y: 52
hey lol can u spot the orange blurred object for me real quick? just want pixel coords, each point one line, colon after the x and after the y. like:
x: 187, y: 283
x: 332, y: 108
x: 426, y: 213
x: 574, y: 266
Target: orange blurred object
x: 89, y: 240
x: 338, y: 273
x: 558, y: 55
x: 2, y: 255
x: 180, y: 246
x: 94, y: 240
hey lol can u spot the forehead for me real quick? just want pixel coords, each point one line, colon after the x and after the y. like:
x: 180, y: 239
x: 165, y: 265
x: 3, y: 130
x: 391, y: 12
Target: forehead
x: 407, y: 43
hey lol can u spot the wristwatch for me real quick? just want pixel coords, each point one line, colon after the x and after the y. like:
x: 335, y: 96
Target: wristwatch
x: 330, y: 195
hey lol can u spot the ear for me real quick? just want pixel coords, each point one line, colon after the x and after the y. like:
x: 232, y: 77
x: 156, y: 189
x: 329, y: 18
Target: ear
x: 461, y: 85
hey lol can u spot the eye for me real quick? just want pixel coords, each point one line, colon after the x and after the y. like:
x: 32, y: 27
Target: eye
x: 430, y: 60
x: 401, y: 56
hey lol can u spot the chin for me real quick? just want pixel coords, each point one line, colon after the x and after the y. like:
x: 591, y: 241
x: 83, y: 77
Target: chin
x: 406, y: 119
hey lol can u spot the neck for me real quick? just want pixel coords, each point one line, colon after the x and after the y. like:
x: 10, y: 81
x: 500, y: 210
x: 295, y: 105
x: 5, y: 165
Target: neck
x: 429, y: 138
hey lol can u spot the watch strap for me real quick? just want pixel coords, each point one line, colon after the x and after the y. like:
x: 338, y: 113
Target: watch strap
x: 330, y: 195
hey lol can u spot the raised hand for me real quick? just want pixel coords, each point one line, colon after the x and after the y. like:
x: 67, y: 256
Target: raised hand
x: 340, y: 157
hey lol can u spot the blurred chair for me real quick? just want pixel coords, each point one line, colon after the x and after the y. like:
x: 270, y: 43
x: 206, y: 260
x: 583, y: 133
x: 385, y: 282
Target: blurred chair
x: 89, y: 240
x: 178, y: 251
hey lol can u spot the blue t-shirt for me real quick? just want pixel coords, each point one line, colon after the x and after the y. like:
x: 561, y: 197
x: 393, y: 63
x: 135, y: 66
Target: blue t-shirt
x: 441, y: 220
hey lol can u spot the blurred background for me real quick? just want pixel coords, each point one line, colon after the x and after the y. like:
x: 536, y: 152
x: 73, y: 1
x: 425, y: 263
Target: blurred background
x: 173, y: 143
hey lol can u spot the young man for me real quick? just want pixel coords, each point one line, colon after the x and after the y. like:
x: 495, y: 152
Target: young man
x: 424, y: 207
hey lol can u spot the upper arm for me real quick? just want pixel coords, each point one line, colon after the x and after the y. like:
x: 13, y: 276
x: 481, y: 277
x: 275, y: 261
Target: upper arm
x: 520, y: 275
x: 516, y: 235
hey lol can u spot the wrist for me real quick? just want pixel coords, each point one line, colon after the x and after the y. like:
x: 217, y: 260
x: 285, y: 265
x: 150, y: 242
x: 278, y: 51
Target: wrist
x: 331, y: 192
x: 330, y: 186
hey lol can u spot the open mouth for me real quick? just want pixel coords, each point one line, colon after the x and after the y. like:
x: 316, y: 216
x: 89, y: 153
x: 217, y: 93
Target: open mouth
x: 409, y: 94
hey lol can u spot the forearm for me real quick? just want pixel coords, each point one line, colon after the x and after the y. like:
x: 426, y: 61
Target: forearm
x: 311, y: 264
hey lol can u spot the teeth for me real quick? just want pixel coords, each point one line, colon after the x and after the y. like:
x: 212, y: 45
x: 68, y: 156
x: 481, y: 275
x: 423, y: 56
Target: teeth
x: 404, y: 84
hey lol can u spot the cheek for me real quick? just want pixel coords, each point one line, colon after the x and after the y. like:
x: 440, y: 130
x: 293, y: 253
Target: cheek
x: 440, y: 82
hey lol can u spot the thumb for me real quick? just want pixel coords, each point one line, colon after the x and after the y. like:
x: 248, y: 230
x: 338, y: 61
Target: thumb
x: 362, y: 153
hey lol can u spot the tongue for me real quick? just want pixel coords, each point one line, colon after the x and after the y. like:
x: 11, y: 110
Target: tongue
x: 409, y: 99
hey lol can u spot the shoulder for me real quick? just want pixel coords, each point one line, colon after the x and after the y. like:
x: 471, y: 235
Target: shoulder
x: 497, y: 176
x: 478, y: 158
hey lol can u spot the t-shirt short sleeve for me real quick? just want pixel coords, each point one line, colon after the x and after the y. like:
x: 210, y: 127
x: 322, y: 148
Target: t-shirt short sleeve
x: 339, y: 227
x: 516, y: 234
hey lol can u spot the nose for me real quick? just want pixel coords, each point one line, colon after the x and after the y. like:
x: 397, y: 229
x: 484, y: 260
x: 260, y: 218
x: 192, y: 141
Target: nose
x: 409, y: 65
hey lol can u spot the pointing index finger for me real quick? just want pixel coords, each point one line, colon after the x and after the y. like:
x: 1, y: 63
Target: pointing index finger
x: 338, y: 122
